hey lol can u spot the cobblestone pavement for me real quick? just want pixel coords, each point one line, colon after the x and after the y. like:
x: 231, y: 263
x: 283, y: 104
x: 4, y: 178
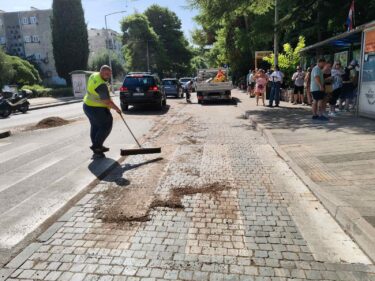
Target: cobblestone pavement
x: 221, y: 205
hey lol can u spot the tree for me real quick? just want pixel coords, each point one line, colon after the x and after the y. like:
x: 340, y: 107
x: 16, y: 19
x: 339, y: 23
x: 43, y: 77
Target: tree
x: 69, y: 37
x: 167, y: 26
x: 102, y: 57
x: 141, y: 40
x: 290, y: 58
x: 6, y: 69
x: 24, y: 73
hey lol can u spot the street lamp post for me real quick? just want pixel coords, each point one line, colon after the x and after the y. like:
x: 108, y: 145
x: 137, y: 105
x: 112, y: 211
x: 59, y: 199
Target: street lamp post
x: 107, y: 43
x: 276, y: 36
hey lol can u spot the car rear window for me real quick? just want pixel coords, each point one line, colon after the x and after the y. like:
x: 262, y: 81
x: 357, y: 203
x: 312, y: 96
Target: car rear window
x: 169, y: 82
x: 185, y: 80
x: 139, y: 81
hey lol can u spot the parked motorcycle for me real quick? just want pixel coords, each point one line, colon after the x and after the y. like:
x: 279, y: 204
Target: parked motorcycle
x: 12, y: 102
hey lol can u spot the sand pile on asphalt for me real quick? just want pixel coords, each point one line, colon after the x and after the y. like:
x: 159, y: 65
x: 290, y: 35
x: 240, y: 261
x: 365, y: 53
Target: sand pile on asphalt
x: 112, y: 209
x: 51, y: 122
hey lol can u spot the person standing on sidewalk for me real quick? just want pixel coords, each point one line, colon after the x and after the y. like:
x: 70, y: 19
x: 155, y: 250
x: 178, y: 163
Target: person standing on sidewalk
x: 317, y: 90
x: 261, y: 84
x: 336, y: 77
x: 299, y: 79
x: 96, y: 105
x: 307, y: 86
x: 277, y: 79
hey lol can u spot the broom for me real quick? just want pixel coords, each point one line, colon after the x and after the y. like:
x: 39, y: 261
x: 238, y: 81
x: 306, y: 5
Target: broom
x: 140, y: 149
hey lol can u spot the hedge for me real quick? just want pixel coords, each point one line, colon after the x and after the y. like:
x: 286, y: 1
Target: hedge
x: 39, y: 91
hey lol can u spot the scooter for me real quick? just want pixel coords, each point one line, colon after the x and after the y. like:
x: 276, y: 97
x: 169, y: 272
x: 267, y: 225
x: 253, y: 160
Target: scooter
x: 12, y: 102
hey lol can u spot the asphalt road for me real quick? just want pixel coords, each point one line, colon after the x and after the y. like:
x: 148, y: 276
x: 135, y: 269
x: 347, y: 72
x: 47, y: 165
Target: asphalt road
x: 42, y: 170
x: 17, y: 120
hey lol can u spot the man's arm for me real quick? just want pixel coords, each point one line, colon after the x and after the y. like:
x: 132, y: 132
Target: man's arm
x: 317, y: 80
x: 105, y: 97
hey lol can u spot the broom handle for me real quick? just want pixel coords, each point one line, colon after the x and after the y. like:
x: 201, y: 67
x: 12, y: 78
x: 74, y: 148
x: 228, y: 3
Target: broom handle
x: 126, y: 124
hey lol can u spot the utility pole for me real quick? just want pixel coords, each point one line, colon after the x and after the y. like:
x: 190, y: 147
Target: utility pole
x: 107, y: 43
x: 276, y: 35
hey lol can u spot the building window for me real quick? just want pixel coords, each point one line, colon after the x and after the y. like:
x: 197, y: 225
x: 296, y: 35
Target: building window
x: 25, y: 21
x: 2, y: 40
x: 36, y: 39
x: 27, y: 39
x: 33, y: 20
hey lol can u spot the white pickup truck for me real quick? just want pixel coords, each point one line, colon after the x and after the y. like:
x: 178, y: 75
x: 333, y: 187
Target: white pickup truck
x: 208, y: 89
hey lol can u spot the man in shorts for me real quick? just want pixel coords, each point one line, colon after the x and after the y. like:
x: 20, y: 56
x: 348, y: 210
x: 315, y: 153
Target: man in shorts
x: 299, y: 80
x: 317, y: 91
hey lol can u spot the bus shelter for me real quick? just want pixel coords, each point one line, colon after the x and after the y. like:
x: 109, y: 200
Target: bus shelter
x: 359, y: 45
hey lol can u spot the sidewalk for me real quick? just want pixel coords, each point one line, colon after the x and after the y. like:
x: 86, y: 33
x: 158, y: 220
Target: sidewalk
x: 39, y: 103
x: 336, y: 159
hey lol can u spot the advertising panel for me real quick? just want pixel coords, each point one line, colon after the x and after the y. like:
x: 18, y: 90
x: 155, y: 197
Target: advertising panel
x: 367, y: 94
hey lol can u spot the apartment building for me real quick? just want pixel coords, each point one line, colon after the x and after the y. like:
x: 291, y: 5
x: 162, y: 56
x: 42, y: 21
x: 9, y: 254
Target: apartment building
x: 100, y: 40
x: 28, y: 34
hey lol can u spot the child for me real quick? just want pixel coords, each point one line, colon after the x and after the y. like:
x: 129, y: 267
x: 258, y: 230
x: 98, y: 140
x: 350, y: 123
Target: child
x: 261, y: 84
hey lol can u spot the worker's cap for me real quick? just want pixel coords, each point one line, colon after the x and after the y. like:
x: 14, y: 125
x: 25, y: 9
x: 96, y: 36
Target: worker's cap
x: 105, y: 67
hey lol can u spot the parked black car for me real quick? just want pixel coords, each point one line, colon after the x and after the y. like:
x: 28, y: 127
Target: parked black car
x: 173, y: 87
x: 142, y: 89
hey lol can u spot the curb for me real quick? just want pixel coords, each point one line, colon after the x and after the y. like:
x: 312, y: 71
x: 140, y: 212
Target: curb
x: 347, y: 217
x: 48, y: 105
x: 4, y: 134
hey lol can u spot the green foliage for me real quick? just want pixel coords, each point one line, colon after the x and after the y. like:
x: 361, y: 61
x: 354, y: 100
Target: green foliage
x: 102, y: 58
x: 160, y: 29
x: 167, y: 26
x: 69, y: 37
x: 137, y: 35
x: 16, y: 71
x: 235, y: 30
x: 289, y: 59
x: 40, y: 91
x: 24, y: 73
x: 7, y: 72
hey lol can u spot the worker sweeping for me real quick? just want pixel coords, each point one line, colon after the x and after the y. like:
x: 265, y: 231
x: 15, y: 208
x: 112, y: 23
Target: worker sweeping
x: 96, y: 105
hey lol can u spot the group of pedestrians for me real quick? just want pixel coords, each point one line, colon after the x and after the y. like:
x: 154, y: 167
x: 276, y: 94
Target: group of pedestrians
x: 319, y: 86
x: 257, y: 81
x: 333, y: 85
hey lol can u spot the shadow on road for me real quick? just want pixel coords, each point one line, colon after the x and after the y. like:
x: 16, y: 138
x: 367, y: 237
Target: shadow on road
x: 109, y: 170
x: 147, y: 110
x: 300, y: 118
x: 233, y: 101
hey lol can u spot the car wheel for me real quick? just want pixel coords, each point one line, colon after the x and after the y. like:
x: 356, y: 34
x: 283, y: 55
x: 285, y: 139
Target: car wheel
x: 164, y: 102
x: 124, y: 107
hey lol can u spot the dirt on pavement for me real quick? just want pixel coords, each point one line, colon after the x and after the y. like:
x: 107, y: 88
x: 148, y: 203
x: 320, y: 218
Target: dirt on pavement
x: 50, y: 122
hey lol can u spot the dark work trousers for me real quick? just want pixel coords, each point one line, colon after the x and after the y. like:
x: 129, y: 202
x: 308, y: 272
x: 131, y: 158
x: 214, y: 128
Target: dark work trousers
x: 275, y: 93
x: 101, y: 121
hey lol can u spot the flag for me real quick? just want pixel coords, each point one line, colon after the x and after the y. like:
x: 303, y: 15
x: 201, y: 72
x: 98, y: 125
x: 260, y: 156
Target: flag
x: 350, y: 19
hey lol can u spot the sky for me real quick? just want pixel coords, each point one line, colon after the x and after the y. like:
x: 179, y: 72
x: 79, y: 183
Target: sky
x: 95, y: 10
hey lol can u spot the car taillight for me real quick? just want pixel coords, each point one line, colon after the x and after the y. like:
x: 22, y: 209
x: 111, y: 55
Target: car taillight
x: 123, y: 89
x: 154, y: 88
